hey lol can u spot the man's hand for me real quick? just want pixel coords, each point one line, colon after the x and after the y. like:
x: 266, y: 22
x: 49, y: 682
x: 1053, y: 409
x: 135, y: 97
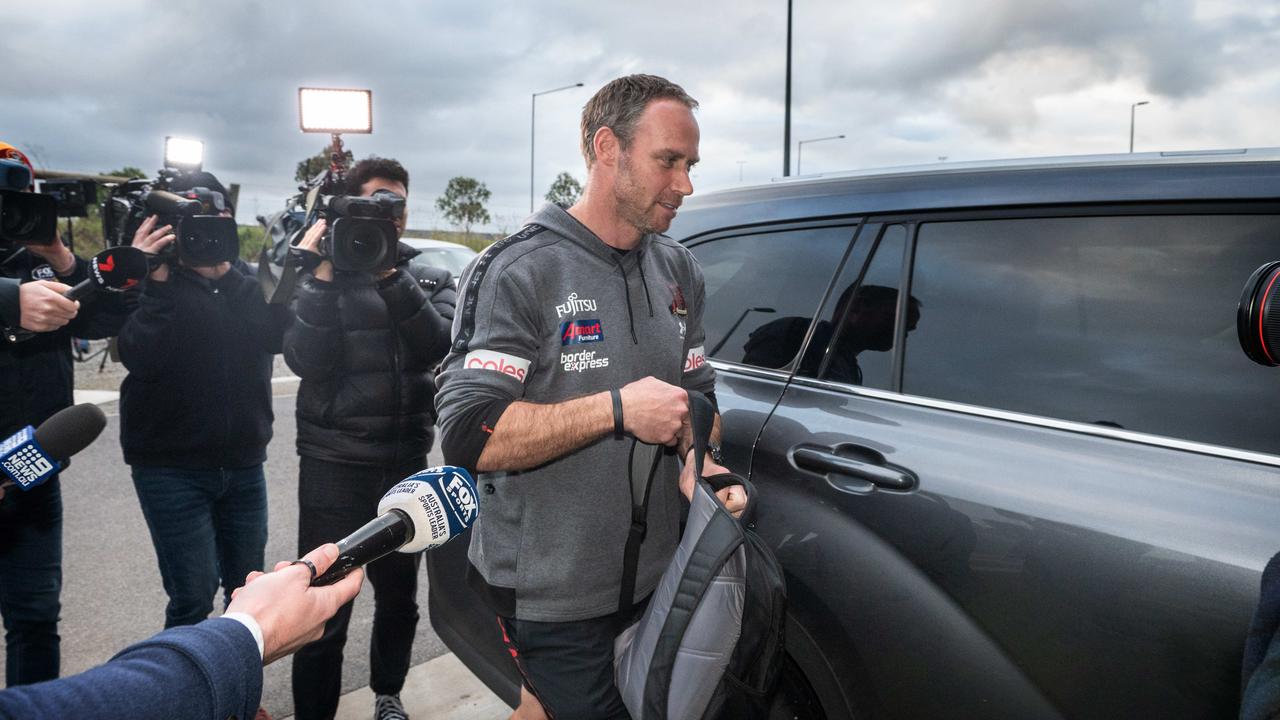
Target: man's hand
x: 42, y: 306
x: 151, y: 240
x: 212, y: 272
x: 734, y: 497
x: 290, y: 612
x: 654, y: 411
x: 56, y: 254
x: 311, y: 243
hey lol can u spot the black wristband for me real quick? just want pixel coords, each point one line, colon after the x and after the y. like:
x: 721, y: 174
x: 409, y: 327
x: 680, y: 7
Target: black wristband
x: 617, y: 412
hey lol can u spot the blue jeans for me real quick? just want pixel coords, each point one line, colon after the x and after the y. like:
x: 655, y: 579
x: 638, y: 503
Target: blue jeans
x: 208, y: 527
x: 31, y: 581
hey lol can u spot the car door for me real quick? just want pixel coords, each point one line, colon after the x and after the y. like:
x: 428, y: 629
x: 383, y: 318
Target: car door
x: 1051, y: 489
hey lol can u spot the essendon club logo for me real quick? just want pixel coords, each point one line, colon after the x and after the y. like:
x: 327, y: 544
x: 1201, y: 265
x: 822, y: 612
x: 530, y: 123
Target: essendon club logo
x: 677, y: 306
x: 577, y: 332
x: 506, y: 364
x: 696, y: 358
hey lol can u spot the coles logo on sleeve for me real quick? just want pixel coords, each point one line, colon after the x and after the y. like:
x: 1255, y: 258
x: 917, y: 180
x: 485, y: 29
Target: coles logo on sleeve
x: 506, y: 364
x: 576, y: 332
x: 696, y: 358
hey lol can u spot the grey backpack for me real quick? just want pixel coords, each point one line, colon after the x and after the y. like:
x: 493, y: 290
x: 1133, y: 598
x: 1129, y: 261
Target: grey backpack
x: 710, y: 643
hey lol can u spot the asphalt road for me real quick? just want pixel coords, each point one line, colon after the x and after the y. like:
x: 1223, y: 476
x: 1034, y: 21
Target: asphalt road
x: 111, y: 592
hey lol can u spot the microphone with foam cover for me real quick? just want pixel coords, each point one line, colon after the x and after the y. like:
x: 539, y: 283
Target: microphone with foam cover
x: 31, y: 456
x: 115, y: 269
x: 423, y: 511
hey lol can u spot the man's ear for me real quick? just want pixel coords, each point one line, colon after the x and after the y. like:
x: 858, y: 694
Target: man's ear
x: 606, y: 145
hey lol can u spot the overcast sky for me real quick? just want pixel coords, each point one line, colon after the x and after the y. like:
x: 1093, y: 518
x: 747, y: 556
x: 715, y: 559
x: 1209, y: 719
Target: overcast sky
x: 92, y: 86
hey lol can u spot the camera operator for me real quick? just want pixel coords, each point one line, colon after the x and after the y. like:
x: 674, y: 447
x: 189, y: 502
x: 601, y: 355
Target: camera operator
x: 195, y: 415
x: 35, y: 383
x: 365, y: 347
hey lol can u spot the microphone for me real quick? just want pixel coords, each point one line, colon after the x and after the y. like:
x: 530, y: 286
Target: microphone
x: 423, y: 511
x: 115, y: 269
x: 29, y: 457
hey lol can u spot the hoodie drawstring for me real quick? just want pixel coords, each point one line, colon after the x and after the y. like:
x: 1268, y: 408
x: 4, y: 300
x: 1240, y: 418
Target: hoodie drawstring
x: 647, y: 300
x: 626, y: 286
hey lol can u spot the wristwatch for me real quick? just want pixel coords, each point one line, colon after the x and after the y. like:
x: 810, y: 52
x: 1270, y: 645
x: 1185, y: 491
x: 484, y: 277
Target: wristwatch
x: 717, y: 456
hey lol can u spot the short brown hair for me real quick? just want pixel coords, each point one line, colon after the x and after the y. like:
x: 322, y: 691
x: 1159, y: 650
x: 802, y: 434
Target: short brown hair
x: 619, y: 105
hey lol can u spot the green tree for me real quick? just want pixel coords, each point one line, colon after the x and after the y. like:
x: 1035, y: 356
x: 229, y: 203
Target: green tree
x: 463, y: 203
x: 565, y: 190
x: 317, y: 163
x: 128, y: 171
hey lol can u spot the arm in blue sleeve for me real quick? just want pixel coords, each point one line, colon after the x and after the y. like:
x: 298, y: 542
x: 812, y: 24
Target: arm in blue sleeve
x: 210, y: 670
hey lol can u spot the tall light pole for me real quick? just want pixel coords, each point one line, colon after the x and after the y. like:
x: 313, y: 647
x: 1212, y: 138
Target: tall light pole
x: 800, y: 148
x: 740, y: 164
x: 533, y: 111
x: 1132, y: 110
x: 786, y: 124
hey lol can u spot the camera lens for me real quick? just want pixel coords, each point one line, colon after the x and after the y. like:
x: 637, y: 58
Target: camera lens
x: 1258, y: 317
x: 364, y: 245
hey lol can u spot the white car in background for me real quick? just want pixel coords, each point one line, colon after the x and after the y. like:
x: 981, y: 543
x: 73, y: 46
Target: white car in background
x: 439, y: 253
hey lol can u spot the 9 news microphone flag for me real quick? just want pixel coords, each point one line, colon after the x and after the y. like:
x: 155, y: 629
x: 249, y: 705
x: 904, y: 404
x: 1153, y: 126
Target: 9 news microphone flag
x: 29, y: 456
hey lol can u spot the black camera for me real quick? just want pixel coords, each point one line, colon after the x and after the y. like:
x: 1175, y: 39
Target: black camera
x: 204, y: 237
x: 25, y: 218
x: 362, y: 233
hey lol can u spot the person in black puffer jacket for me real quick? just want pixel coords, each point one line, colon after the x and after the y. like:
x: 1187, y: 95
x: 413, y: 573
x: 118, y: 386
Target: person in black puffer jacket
x: 366, y: 349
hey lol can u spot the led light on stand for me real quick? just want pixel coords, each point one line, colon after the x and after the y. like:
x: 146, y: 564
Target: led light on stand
x: 335, y: 111
x: 182, y: 153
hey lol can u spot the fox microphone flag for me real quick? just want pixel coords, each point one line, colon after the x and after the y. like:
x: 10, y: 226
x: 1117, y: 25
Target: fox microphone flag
x: 423, y: 511
x: 30, y: 456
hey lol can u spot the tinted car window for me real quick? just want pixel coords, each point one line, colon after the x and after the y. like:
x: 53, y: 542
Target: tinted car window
x: 854, y: 337
x: 763, y: 289
x: 1121, y: 321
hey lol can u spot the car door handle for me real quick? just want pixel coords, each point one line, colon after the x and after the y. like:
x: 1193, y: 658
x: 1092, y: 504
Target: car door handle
x: 827, y: 462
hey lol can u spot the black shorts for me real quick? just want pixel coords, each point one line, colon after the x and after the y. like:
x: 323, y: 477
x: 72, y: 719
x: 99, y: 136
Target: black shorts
x: 568, y: 666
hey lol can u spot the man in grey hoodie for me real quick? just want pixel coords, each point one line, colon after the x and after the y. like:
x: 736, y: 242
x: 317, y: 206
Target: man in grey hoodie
x: 575, y: 337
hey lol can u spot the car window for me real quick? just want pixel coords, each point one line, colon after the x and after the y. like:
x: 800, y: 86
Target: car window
x: 1121, y: 321
x: 853, y: 339
x: 763, y: 289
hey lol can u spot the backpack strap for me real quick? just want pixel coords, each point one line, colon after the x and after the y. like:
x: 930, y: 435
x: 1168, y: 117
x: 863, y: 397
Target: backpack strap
x: 702, y: 416
x: 642, y: 468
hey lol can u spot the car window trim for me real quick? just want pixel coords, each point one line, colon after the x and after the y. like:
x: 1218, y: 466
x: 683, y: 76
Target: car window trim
x: 1043, y: 421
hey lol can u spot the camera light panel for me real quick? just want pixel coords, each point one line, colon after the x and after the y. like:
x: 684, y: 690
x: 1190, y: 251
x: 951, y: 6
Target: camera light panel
x: 332, y: 110
x: 183, y: 153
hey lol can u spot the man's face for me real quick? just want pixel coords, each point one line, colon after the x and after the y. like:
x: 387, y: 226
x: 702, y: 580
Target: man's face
x: 653, y: 174
x: 373, y: 185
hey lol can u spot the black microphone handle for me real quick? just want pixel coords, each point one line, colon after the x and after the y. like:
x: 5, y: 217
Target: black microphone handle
x: 80, y: 290
x: 380, y: 536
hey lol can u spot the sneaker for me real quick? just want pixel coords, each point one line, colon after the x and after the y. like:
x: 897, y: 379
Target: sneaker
x: 388, y: 707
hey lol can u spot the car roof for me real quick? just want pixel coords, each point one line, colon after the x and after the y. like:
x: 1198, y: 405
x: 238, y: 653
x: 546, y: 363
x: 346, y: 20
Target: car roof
x: 1245, y: 174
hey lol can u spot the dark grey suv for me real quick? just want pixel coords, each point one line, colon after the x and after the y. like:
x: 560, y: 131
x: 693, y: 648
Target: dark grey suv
x: 1008, y: 449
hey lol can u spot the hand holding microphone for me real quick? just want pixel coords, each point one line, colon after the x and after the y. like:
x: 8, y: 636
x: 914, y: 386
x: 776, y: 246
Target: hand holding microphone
x: 423, y: 511
x: 46, y: 305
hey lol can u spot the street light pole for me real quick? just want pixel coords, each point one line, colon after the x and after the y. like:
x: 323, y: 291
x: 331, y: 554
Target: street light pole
x: 800, y: 148
x: 786, y: 125
x: 1132, y: 111
x: 533, y: 112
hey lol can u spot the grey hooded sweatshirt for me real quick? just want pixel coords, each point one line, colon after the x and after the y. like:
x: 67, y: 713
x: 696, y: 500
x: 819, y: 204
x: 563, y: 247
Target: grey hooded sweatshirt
x: 549, y: 314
